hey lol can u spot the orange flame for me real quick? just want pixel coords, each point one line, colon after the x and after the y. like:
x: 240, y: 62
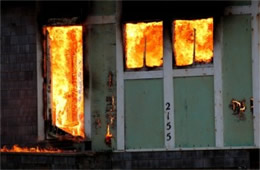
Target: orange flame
x: 108, y: 136
x: 193, y: 38
x: 144, y: 41
x: 16, y: 148
x: 66, y: 78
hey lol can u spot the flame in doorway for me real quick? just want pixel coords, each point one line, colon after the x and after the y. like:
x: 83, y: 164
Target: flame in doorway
x: 66, y: 60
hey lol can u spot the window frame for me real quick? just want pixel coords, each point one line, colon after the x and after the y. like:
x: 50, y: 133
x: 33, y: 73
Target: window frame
x: 168, y: 73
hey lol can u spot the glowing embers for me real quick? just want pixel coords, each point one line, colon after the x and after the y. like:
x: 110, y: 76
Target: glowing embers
x: 193, y: 40
x: 144, y: 44
x: 16, y: 148
x: 66, y: 66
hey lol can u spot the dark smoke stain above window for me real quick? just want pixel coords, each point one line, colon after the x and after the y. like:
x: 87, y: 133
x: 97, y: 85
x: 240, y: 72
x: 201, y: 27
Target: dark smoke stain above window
x: 168, y: 10
x: 63, y: 9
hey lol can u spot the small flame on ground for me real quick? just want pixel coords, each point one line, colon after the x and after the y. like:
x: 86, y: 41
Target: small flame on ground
x: 193, y: 39
x: 108, y: 136
x: 144, y: 42
x: 16, y: 148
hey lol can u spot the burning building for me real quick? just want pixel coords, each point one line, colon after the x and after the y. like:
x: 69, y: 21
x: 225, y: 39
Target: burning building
x: 126, y: 84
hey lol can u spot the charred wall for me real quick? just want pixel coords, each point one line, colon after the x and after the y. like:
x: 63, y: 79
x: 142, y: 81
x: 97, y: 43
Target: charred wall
x: 18, y: 73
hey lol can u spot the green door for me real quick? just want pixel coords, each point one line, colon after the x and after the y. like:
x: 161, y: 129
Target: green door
x: 194, y: 111
x: 237, y: 79
x: 144, y: 121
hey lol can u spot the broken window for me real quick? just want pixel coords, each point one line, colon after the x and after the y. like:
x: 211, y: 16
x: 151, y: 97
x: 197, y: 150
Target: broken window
x: 193, y: 41
x: 143, y: 44
x: 65, y: 78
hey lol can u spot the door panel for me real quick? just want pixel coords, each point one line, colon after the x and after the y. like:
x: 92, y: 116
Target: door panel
x: 194, y: 112
x: 237, y: 79
x: 144, y: 114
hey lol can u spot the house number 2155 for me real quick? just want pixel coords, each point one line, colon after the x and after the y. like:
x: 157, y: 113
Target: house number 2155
x: 168, y: 123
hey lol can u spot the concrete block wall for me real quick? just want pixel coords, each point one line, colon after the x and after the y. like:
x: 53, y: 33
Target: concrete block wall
x: 18, y: 73
x: 206, y: 159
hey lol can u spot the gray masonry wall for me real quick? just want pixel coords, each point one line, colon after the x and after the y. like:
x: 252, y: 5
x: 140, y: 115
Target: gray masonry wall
x: 206, y: 159
x: 18, y: 73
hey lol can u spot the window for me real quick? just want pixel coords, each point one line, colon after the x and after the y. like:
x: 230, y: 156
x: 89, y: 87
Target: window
x: 143, y: 45
x: 193, y: 41
x: 65, y: 78
x: 186, y: 51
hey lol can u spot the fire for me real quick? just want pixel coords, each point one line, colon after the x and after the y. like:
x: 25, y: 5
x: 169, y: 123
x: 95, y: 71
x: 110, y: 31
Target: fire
x: 144, y: 44
x: 193, y: 39
x: 108, y: 136
x: 65, y: 47
x: 16, y: 148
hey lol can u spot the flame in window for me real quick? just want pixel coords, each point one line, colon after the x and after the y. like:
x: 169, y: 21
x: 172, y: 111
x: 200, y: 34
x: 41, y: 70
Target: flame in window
x: 66, y: 60
x: 193, y: 40
x: 144, y: 44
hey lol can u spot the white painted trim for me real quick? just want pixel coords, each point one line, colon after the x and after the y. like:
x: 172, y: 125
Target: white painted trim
x: 39, y: 60
x: 189, y: 149
x: 258, y: 145
x: 219, y: 129
x: 236, y: 10
x: 256, y: 71
x: 120, y: 82
x: 108, y: 19
x: 193, y: 72
x: 169, y: 132
x: 143, y: 75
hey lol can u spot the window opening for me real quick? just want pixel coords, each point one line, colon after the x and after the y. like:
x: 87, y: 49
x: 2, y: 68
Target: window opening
x: 143, y: 44
x: 193, y: 41
x: 65, y: 55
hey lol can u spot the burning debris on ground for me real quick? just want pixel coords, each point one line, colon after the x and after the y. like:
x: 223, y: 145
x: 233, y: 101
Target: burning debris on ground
x: 37, y: 149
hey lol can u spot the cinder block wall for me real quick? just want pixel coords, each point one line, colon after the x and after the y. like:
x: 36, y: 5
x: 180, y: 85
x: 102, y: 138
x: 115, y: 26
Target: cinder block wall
x: 206, y: 159
x: 18, y: 73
